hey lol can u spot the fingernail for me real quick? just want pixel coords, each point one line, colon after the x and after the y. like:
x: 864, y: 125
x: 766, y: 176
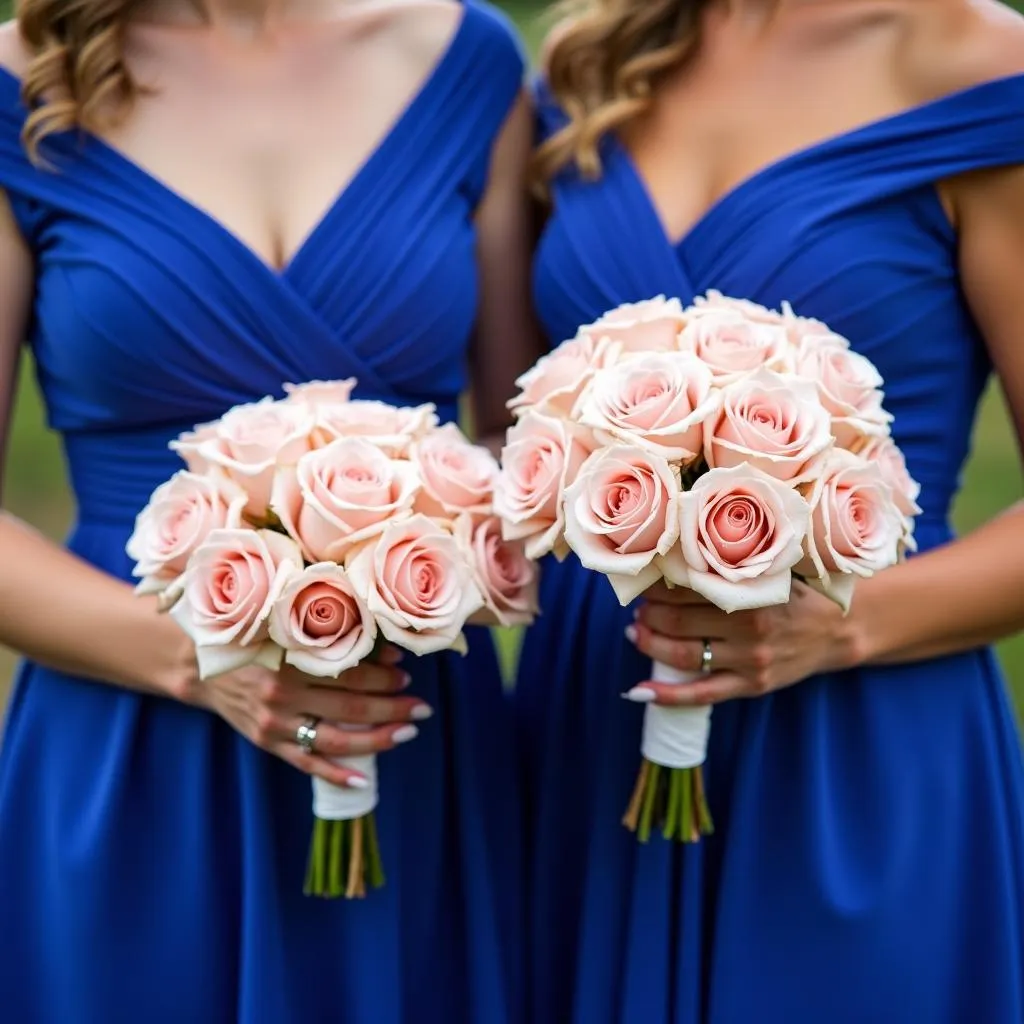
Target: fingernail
x: 404, y: 681
x: 421, y: 712
x: 636, y: 613
x: 632, y: 634
x: 641, y: 695
x: 357, y: 782
x: 406, y: 733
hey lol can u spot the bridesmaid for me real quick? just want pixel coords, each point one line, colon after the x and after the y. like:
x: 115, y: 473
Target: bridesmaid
x: 865, y: 161
x: 204, y: 199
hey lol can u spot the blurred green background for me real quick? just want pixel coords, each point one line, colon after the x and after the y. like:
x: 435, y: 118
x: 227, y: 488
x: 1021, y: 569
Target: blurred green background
x: 35, y: 486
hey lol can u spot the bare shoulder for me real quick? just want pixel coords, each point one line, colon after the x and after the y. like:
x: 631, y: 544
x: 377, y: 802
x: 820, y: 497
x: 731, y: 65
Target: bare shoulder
x: 420, y: 30
x: 415, y: 34
x: 950, y: 45
x: 14, y: 54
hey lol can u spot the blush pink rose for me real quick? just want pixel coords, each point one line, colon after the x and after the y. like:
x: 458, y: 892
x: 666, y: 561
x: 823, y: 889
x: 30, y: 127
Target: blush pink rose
x: 541, y: 458
x: 393, y: 429
x: 857, y: 528
x: 620, y: 516
x: 805, y: 334
x: 554, y: 384
x: 418, y: 584
x: 850, y: 389
x: 649, y: 326
x: 714, y: 303
x: 884, y: 452
x: 456, y: 475
x: 320, y: 393
x: 506, y: 578
x: 657, y: 401
x: 773, y: 422
x: 338, y: 496
x: 180, y: 515
x: 733, y: 346
x: 320, y: 622
x: 247, y: 444
x: 230, y: 588
x: 741, y: 532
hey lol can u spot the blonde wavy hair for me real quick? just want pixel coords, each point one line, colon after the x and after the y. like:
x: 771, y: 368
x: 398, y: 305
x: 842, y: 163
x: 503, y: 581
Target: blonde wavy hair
x: 77, y: 77
x: 602, y: 65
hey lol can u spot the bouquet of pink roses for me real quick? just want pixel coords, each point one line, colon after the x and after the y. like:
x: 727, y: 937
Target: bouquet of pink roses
x: 725, y: 447
x: 308, y: 531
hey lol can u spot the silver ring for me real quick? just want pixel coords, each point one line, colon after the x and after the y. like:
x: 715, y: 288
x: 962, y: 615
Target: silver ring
x: 706, y: 658
x: 305, y: 735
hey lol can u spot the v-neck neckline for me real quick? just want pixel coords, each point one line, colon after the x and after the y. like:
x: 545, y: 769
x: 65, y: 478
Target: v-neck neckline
x: 786, y: 161
x: 419, y: 99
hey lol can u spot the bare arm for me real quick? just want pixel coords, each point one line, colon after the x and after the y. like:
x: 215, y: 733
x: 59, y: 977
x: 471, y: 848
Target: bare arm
x: 507, y: 339
x: 981, y: 577
x: 90, y: 624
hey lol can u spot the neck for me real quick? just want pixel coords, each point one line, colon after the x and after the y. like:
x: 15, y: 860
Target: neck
x: 753, y: 15
x: 244, y: 18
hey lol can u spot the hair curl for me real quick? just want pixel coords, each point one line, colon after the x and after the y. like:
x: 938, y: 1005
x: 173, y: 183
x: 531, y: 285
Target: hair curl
x: 603, y: 64
x: 77, y: 77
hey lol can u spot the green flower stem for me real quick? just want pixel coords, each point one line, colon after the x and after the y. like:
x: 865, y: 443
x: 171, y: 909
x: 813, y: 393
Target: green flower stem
x: 650, y: 797
x: 672, y: 800
x: 672, y: 809
x: 344, y: 859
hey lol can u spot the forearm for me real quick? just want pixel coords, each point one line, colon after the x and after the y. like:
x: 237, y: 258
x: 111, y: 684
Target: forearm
x: 956, y: 598
x: 67, y: 615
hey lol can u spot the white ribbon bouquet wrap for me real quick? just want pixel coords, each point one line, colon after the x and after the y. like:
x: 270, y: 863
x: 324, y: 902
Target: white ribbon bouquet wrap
x: 675, y: 737
x: 724, y: 447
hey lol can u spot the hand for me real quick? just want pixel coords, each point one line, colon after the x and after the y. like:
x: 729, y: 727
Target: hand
x: 753, y: 652
x: 268, y: 707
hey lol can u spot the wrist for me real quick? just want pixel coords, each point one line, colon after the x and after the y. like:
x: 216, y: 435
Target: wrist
x: 173, y: 671
x: 853, y: 643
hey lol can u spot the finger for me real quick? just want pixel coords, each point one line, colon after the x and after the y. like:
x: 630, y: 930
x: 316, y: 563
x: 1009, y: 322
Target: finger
x: 694, y: 622
x: 682, y: 655
x: 357, y: 708
x: 662, y: 593
x: 366, y: 677
x: 713, y: 689
x: 335, y: 740
x: 312, y: 764
x: 390, y: 655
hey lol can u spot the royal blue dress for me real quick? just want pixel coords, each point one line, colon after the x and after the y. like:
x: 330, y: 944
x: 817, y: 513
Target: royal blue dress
x: 151, y: 859
x: 868, y: 863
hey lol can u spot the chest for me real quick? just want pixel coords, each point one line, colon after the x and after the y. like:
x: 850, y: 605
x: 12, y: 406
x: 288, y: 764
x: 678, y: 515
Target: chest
x: 729, y: 114
x: 265, y: 150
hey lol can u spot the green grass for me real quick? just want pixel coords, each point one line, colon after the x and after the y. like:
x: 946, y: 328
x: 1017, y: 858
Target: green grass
x: 35, y: 486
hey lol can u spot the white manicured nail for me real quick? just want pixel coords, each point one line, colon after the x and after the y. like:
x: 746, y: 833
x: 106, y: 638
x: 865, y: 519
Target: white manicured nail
x: 421, y: 713
x: 357, y: 782
x: 406, y: 733
x: 641, y: 695
x: 631, y: 634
